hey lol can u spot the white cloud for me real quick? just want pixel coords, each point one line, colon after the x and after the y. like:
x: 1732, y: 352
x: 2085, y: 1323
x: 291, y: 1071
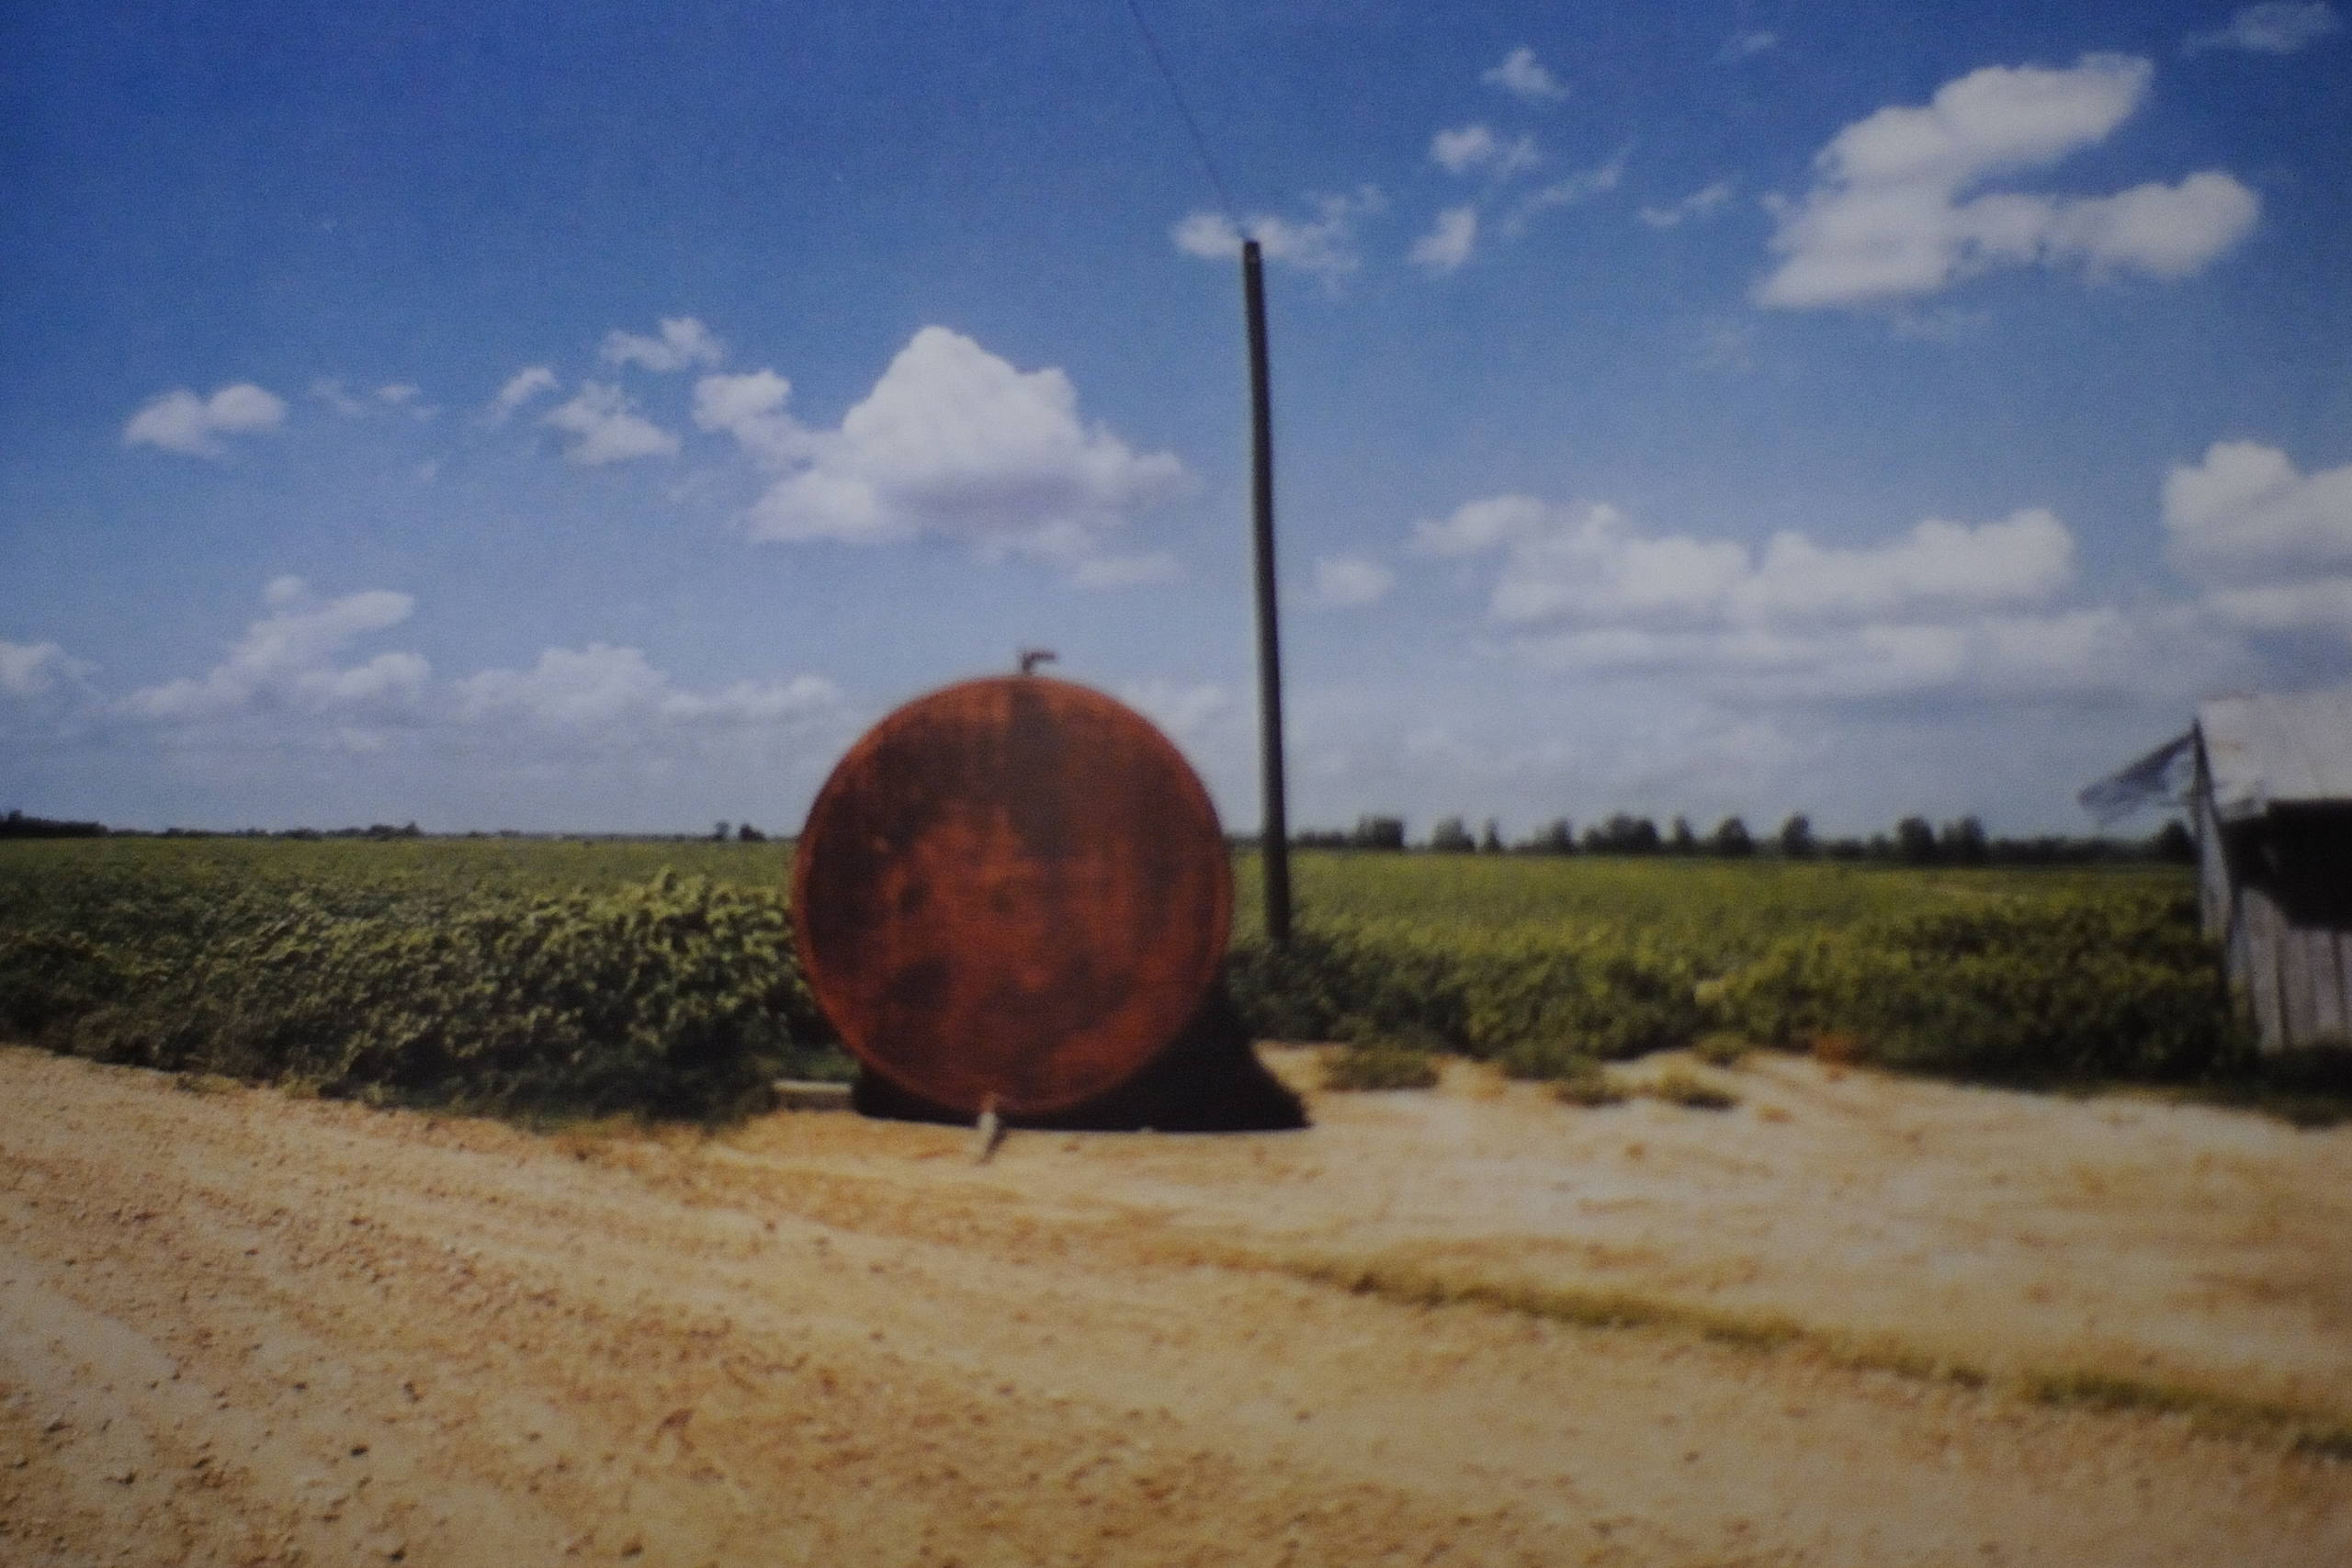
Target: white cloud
x: 1522, y: 76
x: 954, y: 443
x: 1125, y: 571
x: 285, y: 661
x: 520, y: 388
x: 749, y: 703
x: 1942, y: 323
x: 608, y: 428
x: 45, y: 696
x: 1463, y: 150
x: 37, y: 669
x: 1590, y: 563
x: 1945, y: 609
x: 2024, y: 559
x: 181, y: 421
x: 750, y: 407
x: 1581, y: 186
x: 296, y: 722
x: 2270, y: 545
x: 1449, y: 242
x: 329, y: 390
x: 1180, y: 707
x: 2323, y: 603
x: 685, y: 341
x: 407, y: 396
x: 1746, y: 46
x: 1475, y: 147
x: 2276, y: 27
x: 1476, y: 526
x: 1343, y: 583
x: 1943, y: 606
x: 1514, y: 156
x: 1728, y: 346
x: 1698, y: 204
x: 613, y: 692
x: 2070, y: 653
x: 2167, y: 231
x: 290, y: 682
x: 1324, y: 247
x: 1211, y: 236
x: 1886, y: 219
x: 2245, y: 514
x: 1995, y: 119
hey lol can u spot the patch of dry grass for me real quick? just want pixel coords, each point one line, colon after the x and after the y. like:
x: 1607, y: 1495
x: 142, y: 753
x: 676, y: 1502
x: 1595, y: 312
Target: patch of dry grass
x: 1588, y: 1085
x: 1379, y: 1066
x: 1721, y: 1050
x: 1419, y: 1286
x: 1678, y: 1087
x: 2208, y: 1411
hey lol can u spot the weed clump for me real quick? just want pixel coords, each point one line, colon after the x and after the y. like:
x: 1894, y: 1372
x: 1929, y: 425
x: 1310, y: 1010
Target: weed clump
x: 1677, y: 1087
x: 1544, y: 1061
x: 1379, y: 1065
x: 1721, y: 1049
x: 1589, y: 1085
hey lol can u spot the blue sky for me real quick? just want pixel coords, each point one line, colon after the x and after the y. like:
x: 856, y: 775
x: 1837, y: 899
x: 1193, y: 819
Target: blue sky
x: 594, y: 416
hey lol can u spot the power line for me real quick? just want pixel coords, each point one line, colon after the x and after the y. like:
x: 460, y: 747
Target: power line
x: 1200, y: 142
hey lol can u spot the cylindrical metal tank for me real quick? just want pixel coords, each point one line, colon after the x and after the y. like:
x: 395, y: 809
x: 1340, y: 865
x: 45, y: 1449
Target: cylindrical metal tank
x: 1012, y: 892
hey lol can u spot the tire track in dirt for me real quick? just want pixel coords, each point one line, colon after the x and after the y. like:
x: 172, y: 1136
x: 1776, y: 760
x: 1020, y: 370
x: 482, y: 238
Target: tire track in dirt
x: 313, y: 1333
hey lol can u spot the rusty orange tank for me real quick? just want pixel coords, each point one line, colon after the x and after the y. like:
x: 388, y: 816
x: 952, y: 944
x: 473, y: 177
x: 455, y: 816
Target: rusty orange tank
x: 1012, y: 891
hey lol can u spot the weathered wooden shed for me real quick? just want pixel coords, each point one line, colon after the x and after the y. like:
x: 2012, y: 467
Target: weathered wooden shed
x: 2271, y: 800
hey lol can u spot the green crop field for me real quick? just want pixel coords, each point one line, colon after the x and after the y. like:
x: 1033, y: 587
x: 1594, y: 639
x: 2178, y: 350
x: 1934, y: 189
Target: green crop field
x: 1722, y: 906
x: 1548, y: 964
x: 526, y: 975
x: 509, y: 974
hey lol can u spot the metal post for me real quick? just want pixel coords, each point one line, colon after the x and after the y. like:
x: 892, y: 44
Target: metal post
x: 1275, y: 839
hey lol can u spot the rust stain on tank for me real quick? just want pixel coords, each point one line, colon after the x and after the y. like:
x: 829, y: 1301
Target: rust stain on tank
x: 1015, y: 888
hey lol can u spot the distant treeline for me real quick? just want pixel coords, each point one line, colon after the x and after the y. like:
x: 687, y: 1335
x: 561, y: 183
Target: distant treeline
x: 94, y: 829
x: 1915, y: 841
x: 16, y: 825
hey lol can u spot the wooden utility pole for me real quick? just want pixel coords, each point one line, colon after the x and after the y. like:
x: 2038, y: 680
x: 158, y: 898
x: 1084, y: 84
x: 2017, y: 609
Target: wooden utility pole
x: 1274, y: 838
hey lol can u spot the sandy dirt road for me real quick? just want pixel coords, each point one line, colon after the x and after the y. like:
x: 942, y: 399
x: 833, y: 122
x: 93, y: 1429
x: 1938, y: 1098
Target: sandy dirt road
x: 237, y: 1328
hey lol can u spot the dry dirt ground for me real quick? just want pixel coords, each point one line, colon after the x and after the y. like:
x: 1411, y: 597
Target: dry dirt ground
x: 240, y: 1327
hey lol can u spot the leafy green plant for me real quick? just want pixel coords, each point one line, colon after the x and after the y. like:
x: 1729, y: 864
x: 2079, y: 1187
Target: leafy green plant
x: 674, y: 997
x: 507, y: 972
x: 2014, y: 990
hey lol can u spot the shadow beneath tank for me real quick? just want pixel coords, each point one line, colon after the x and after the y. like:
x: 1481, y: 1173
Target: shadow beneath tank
x: 1209, y: 1080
